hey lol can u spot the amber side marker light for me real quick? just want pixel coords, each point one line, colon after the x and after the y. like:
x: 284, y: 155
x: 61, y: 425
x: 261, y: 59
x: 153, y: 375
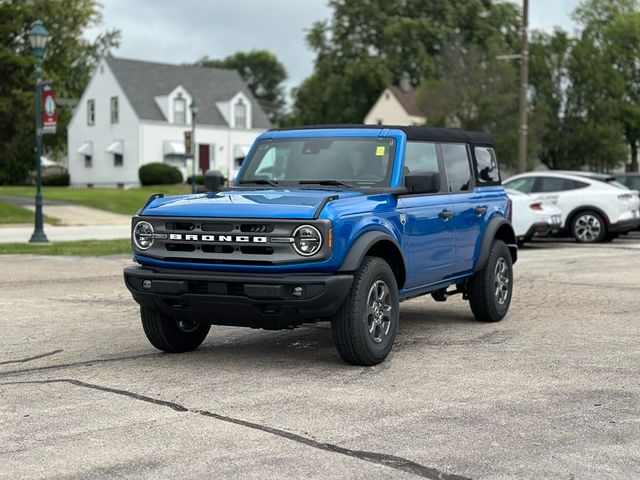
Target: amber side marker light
x: 330, y: 242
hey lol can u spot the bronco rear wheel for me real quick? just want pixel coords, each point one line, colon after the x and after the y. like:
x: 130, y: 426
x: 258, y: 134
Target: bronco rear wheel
x: 365, y: 327
x: 490, y: 289
x: 169, y: 334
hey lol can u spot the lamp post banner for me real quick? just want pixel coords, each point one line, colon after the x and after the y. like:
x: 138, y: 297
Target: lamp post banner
x: 49, y: 108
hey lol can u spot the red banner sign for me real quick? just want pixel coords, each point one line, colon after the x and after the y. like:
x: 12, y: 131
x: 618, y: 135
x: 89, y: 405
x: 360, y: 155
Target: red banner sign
x: 49, y: 108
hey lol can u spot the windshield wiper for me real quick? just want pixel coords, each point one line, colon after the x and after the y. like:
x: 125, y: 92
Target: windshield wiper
x: 260, y: 181
x: 336, y: 183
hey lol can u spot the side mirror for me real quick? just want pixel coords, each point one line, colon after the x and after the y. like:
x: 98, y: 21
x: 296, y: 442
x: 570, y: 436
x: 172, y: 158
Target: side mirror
x: 422, y: 182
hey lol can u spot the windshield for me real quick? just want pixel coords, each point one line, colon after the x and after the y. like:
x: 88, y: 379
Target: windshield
x: 342, y: 162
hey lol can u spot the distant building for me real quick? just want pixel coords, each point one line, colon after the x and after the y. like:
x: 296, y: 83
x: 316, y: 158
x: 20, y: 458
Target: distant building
x: 396, y: 106
x: 133, y: 112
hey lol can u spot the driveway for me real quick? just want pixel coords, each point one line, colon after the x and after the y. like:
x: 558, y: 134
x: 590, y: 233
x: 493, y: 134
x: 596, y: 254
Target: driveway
x: 550, y: 392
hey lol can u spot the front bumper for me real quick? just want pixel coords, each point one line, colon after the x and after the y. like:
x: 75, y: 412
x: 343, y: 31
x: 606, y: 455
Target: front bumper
x: 250, y: 300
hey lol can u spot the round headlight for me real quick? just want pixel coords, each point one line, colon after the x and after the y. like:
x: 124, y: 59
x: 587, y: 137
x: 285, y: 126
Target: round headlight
x: 143, y: 235
x: 307, y: 240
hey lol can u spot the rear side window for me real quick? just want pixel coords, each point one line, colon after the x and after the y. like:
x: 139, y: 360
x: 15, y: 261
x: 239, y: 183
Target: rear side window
x: 420, y: 156
x: 486, y: 166
x: 456, y: 163
x: 556, y: 184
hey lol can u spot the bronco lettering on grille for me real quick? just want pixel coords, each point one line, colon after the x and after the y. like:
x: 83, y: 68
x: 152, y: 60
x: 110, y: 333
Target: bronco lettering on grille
x: 217, y: 238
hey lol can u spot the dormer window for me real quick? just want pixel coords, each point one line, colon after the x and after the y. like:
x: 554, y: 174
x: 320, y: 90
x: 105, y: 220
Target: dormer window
x: 240, y: 114
x: 179, y: 110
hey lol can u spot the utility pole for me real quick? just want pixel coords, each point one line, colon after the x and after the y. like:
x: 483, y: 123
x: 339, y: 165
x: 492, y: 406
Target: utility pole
x: 524, y: 90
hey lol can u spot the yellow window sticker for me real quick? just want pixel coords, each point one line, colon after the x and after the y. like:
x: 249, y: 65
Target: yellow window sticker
x: 380, y: 151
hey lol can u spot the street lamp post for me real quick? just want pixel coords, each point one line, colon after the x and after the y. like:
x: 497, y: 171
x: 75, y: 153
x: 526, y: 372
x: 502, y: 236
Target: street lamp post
x: 194, y: 112
x: 524, y: 90
x: 38, y: 37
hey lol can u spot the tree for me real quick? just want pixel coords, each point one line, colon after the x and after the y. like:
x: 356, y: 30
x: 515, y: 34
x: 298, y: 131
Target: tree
x: 370, y: 43
x: 68, y: 62
x: 475, y: 91
x: 264, y: 75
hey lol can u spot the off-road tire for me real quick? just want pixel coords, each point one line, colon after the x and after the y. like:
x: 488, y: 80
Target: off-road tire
x: 483, y: 286
x: 164, y: 333
x: 591, y: 236
x: 350, y: 326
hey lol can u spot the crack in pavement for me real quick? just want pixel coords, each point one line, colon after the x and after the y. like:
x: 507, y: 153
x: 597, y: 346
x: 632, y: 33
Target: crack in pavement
x: 83, y: 363
x: 391, y: 461
x: 35, y: 357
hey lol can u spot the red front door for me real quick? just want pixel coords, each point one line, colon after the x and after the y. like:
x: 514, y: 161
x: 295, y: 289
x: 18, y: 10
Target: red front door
x: 203, y: 157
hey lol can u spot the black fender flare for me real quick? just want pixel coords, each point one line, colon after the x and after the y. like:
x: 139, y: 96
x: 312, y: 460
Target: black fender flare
x: 506, y: 234
x: 361, y: 246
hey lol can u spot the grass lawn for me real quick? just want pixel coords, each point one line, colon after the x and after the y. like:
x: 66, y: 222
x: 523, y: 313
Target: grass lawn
x: 126, y: 202
x: 85, y: 248
x: 10, y: 213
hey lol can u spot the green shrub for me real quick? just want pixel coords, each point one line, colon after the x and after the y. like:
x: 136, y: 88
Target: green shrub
x: 199, y: 179
x: 159, y: 174
x: 61, y: 180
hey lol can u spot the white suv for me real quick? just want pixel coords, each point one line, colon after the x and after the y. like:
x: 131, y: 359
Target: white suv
x: 593, y: 210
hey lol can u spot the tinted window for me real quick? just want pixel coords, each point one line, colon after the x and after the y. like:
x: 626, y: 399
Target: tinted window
x: 633, y: 183
x: 524, y: 185
x: 486, y: 165
x: 420, y: 156
x: 555, y: 184
x: 456, y: 162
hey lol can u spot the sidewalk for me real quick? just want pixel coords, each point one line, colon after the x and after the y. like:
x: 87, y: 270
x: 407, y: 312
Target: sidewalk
x: 77, y: 222
x: 57, y: 233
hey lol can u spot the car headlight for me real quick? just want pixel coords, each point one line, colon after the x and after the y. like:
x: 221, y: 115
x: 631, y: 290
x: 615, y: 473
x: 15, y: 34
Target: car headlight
x: 307, y: 240
x: 143, y: 235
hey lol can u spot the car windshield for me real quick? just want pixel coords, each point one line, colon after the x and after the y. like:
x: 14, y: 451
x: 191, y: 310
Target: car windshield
x: 338, y: 162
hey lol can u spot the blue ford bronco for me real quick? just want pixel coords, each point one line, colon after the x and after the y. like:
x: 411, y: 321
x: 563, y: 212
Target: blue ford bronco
x: 335, y: 223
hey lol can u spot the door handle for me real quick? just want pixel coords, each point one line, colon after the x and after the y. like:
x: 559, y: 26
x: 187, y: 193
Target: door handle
x: 445, y: 214
x: 480, y: 211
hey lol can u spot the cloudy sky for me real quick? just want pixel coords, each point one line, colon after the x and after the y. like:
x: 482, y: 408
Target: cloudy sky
x: 185, y: 30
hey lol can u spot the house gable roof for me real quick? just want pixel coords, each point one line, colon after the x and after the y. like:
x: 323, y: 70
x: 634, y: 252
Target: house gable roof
x: 408, y: 100
x: 143, y: 81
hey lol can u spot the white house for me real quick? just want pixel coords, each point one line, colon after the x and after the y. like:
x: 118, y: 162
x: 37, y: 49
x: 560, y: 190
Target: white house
x: 396, y: 106
x: 135, y: 112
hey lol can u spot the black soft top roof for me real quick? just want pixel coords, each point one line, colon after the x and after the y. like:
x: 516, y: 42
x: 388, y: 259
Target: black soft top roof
x: 428, y: 134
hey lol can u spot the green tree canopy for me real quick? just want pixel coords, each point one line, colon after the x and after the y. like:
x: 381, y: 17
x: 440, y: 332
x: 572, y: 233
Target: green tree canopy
x: 69, y: 59
x: 368, y: 44
x: 264, y: 75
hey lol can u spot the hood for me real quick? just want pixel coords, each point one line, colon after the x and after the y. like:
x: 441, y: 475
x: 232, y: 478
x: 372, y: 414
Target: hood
x: 258, y: 203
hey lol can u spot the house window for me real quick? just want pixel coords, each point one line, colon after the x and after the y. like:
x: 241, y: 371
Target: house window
x: 240, y: 114
x: 91, y: 112
x: 88, y: 161
x: 118, y: 160
x: 179, y: 111
x: 114, y: 110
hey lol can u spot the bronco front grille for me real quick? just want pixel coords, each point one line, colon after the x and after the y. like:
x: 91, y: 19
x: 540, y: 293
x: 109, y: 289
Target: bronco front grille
x: 229, y: 241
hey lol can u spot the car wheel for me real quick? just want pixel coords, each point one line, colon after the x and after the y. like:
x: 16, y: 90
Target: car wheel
x: 588, y: 227
x: 366, y: 324
x: 170, y: 334
x: 490, y: 289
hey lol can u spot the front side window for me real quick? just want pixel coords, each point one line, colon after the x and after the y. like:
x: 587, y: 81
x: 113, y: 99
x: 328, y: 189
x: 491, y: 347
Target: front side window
x: 524, y: 185
x: 180, y: 111
x: 240, y: 113
x: 486, y: 166
x: 420, y: 156
x: 91, y: 112
x: 354, y: 161
x: 456, y: 163
x: 114, y: 110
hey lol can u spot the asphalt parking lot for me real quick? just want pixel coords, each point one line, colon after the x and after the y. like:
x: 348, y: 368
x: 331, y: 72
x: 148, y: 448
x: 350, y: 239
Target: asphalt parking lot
x: 553, y: 391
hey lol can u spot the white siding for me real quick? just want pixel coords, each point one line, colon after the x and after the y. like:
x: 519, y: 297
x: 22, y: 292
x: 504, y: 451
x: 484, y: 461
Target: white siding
x: 102, y: 86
